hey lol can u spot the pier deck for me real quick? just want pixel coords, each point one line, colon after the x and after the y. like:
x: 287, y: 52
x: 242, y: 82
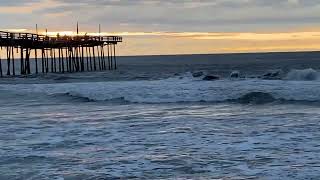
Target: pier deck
x: 59, y: 54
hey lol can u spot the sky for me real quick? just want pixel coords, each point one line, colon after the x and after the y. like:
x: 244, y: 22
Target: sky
x: 177, y: 26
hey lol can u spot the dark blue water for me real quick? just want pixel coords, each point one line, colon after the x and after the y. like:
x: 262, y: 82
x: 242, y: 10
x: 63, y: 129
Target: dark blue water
x: 152, y: 119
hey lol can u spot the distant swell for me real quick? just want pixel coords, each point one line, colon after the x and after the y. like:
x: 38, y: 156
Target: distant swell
x: 72, y: 96
x: 257, y: 98
x: 78, y: 97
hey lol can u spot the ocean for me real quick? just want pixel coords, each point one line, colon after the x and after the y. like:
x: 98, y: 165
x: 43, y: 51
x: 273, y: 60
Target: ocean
x: 157, y: 118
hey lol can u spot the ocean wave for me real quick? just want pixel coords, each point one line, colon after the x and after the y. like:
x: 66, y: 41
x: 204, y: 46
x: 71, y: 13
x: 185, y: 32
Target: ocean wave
x: 79, y: 97
x: 256, y: 98
x: 303, y: 75
x: 177, y: 89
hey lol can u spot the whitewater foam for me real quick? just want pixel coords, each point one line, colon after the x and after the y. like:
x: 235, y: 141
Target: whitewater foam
x: 303, y: 75
x: 175, y: 89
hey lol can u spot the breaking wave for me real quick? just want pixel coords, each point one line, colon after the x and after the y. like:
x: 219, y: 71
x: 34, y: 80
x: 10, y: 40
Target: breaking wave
x: 303, y: 75
x: 177, y: 89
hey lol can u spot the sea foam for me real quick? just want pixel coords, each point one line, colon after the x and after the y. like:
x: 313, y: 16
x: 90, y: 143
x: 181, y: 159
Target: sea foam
x: 303, y: 75
x: 177, y: 89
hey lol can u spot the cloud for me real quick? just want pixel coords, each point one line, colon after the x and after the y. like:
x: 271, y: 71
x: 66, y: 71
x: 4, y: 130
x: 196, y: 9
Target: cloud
x: 165, y: 15
x: 193, y: 15
x: 17, y: 2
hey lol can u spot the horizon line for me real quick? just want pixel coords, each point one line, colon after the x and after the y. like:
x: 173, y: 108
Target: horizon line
x: 224, y: 53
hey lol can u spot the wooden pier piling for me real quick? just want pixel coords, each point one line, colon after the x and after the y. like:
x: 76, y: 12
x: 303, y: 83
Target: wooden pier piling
x: 13, y: 64
x: 36, y: 60
x: 1, y: 73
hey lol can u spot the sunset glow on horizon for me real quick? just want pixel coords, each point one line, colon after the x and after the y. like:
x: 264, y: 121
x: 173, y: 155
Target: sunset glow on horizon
x: 208, y: 42
x: 159, y: 43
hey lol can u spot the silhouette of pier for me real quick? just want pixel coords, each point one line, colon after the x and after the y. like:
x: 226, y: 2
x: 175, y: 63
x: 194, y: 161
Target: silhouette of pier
x: 60, y: 54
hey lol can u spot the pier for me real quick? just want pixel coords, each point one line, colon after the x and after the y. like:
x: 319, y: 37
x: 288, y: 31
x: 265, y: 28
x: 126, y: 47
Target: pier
x: 59, y: 54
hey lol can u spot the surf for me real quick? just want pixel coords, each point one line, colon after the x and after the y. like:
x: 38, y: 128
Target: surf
x: 173, y: 90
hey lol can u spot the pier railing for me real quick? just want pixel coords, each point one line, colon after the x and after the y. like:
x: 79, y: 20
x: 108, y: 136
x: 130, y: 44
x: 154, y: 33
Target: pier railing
x: 17, y: 37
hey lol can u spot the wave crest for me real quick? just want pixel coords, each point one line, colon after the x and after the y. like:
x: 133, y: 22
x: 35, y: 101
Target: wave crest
x: 303, y: 75
x: 256, y: 98
x: 176, y: 89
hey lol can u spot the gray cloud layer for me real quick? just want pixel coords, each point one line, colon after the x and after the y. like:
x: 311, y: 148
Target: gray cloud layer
x: 172, y: 15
